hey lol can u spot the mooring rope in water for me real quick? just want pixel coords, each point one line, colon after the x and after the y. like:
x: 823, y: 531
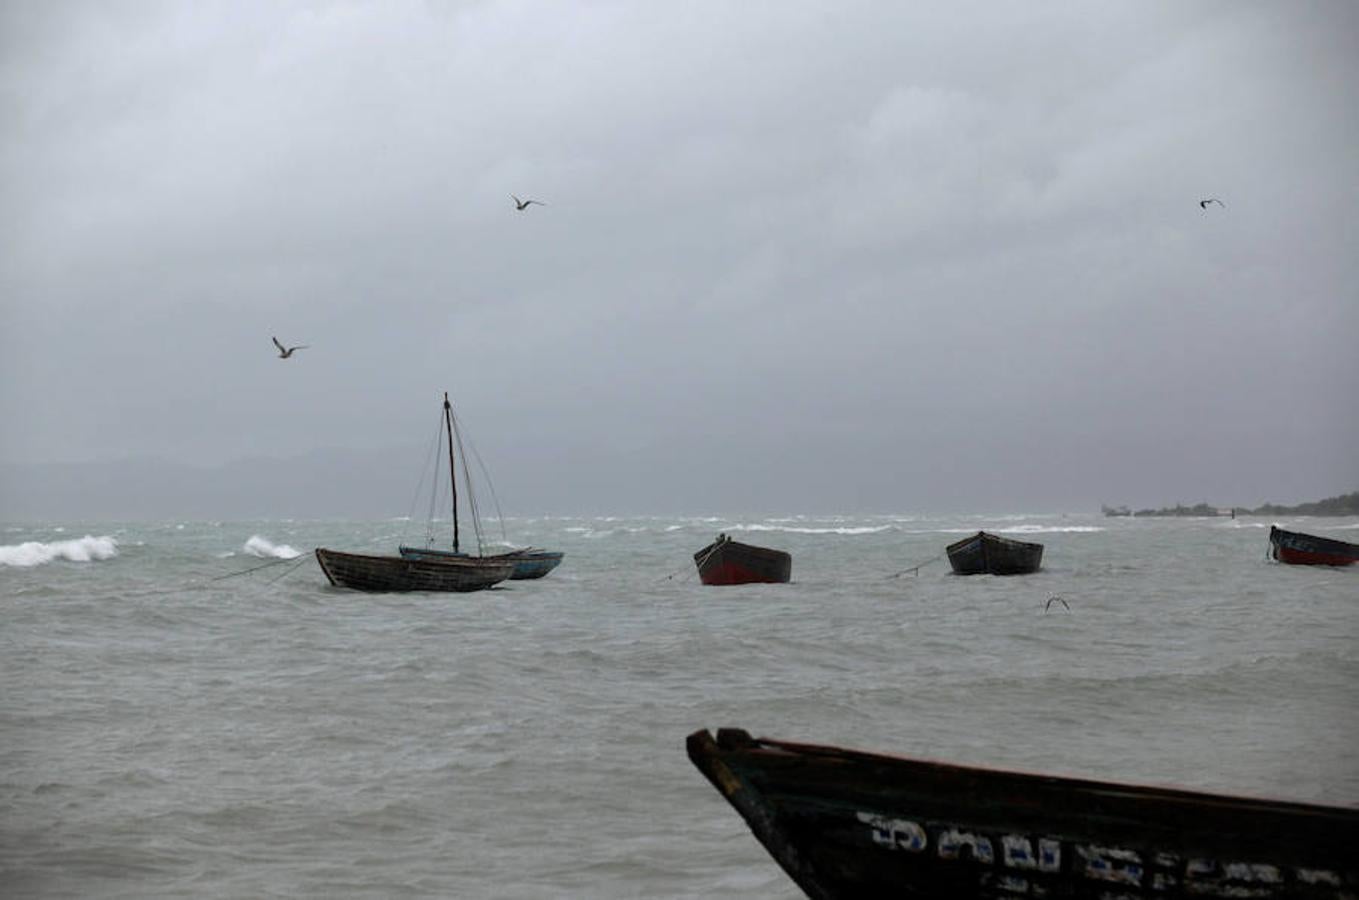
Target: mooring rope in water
x: 277, y: 562
x: 296, y: 563
x: 916, y: 569
x: 698, y: 565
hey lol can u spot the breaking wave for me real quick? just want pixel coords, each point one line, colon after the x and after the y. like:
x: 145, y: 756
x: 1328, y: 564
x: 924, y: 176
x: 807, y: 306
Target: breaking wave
x: 1013, y: 529
x: 267, y: 549
x: 36, y: 553
x: 847, y: 529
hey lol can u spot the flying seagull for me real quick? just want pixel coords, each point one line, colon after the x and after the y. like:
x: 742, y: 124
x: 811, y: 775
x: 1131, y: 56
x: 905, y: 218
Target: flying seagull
x: 521, y: 205
x: 1055, y: 599
x: 285, y: 352
x: 1203, y: 204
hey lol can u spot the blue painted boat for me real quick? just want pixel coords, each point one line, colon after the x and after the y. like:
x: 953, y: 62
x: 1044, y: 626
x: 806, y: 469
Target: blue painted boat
x: 530, y: 562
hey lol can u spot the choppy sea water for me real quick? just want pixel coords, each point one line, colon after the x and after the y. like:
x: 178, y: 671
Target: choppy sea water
x: 167, y: 732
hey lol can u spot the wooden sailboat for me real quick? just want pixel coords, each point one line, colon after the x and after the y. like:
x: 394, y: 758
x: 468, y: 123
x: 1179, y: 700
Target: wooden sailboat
x: 528, y: 562
x: 441, y: 572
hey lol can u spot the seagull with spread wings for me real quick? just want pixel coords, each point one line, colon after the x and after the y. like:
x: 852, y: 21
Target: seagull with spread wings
x: 522, y: 205
x: 285, y: 352
x: 1203, y: 204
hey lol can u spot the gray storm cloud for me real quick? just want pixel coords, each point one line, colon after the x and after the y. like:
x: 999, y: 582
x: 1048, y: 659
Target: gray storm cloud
x: 794, y: 256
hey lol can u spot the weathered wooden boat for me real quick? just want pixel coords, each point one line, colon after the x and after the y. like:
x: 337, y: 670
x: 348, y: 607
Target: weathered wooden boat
x: 1300, y: 549
x: 847, y: 824
x: 530, y: 562
x: 990, y: 554
x: 365, y: 572
x: 453, y: 571
x: 726, y: 561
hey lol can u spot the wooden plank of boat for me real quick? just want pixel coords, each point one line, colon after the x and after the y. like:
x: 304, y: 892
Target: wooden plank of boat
x: 365, y: 572
x: 1300, y: 549
x: 990, y: 554
x: 726, y: 561
x: 847, y: 824
x: 530, y: 562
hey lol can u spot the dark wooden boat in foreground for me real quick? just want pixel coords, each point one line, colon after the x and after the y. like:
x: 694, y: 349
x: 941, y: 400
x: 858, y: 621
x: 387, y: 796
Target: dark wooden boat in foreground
x: 1309, y: 550
x: 529, y: 562
x: 990, y: 554
x: 846, y: 824
x: 726, y: 561
x: 364, y: 572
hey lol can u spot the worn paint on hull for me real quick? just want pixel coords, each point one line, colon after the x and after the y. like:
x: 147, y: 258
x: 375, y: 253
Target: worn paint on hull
x: 528, y: 563
x: 726, y: 561
x: 989, y: 554
x: 391, y: 574
x: 1300, y: 549
x: 845, y: 824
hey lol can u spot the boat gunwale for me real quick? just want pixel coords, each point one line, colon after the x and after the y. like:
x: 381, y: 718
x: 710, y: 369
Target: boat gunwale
x: 774, y: 748
x: 983, y: 535
x: 775, y: 785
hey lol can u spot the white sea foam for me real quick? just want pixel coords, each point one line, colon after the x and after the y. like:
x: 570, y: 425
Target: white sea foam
x: 1052, y: 529
x: 794, y: 529
x: 35, y: 553
x: 1012, y: 529
x: 267, y: 549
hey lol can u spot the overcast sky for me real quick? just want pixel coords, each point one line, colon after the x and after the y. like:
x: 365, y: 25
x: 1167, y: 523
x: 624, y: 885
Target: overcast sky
x: 847, y: 255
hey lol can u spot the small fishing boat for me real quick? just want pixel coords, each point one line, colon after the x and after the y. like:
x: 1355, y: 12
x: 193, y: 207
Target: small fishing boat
x: 1300, y: 549
x: 990, y: 554
x: 726, y: 561
x: 453, y: 571
x: 530, y: 562
x: 847, y: 824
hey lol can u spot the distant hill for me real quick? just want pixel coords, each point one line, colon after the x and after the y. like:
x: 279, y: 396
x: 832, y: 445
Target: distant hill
x: 1343, y: 505
x: 1197, y: 510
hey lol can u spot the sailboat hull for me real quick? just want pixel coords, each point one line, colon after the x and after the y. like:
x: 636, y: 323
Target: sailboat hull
x: 387, y: 574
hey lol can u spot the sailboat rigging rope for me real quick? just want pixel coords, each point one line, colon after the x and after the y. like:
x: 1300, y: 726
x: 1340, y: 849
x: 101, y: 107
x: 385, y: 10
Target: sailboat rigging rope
x: 490, y: 485
x: 434, y: 491
x: 471, y: 495
x: 419, y: 486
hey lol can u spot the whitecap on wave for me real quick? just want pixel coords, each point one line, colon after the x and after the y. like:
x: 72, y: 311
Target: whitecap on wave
x: 793, y: 529
x: 36, y: 553
x: 1051, y: 529
x: 267, y: 549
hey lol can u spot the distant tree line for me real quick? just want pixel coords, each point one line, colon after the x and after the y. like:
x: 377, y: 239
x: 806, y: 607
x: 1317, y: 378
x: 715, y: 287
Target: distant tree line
x: 1343, y: 505
x: 1179, y: 509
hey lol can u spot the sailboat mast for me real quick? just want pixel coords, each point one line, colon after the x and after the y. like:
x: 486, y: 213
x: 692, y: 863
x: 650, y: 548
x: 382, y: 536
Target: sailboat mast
x: 452, y: 470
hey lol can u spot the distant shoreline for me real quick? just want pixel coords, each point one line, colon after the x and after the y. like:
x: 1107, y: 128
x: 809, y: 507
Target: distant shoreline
x: 1342, y: 505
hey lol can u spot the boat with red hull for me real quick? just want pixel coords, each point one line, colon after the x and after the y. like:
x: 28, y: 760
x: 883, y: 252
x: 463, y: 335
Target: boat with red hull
x: 847, y: 824
x: 726, y: 561
x: 1300, y: 549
